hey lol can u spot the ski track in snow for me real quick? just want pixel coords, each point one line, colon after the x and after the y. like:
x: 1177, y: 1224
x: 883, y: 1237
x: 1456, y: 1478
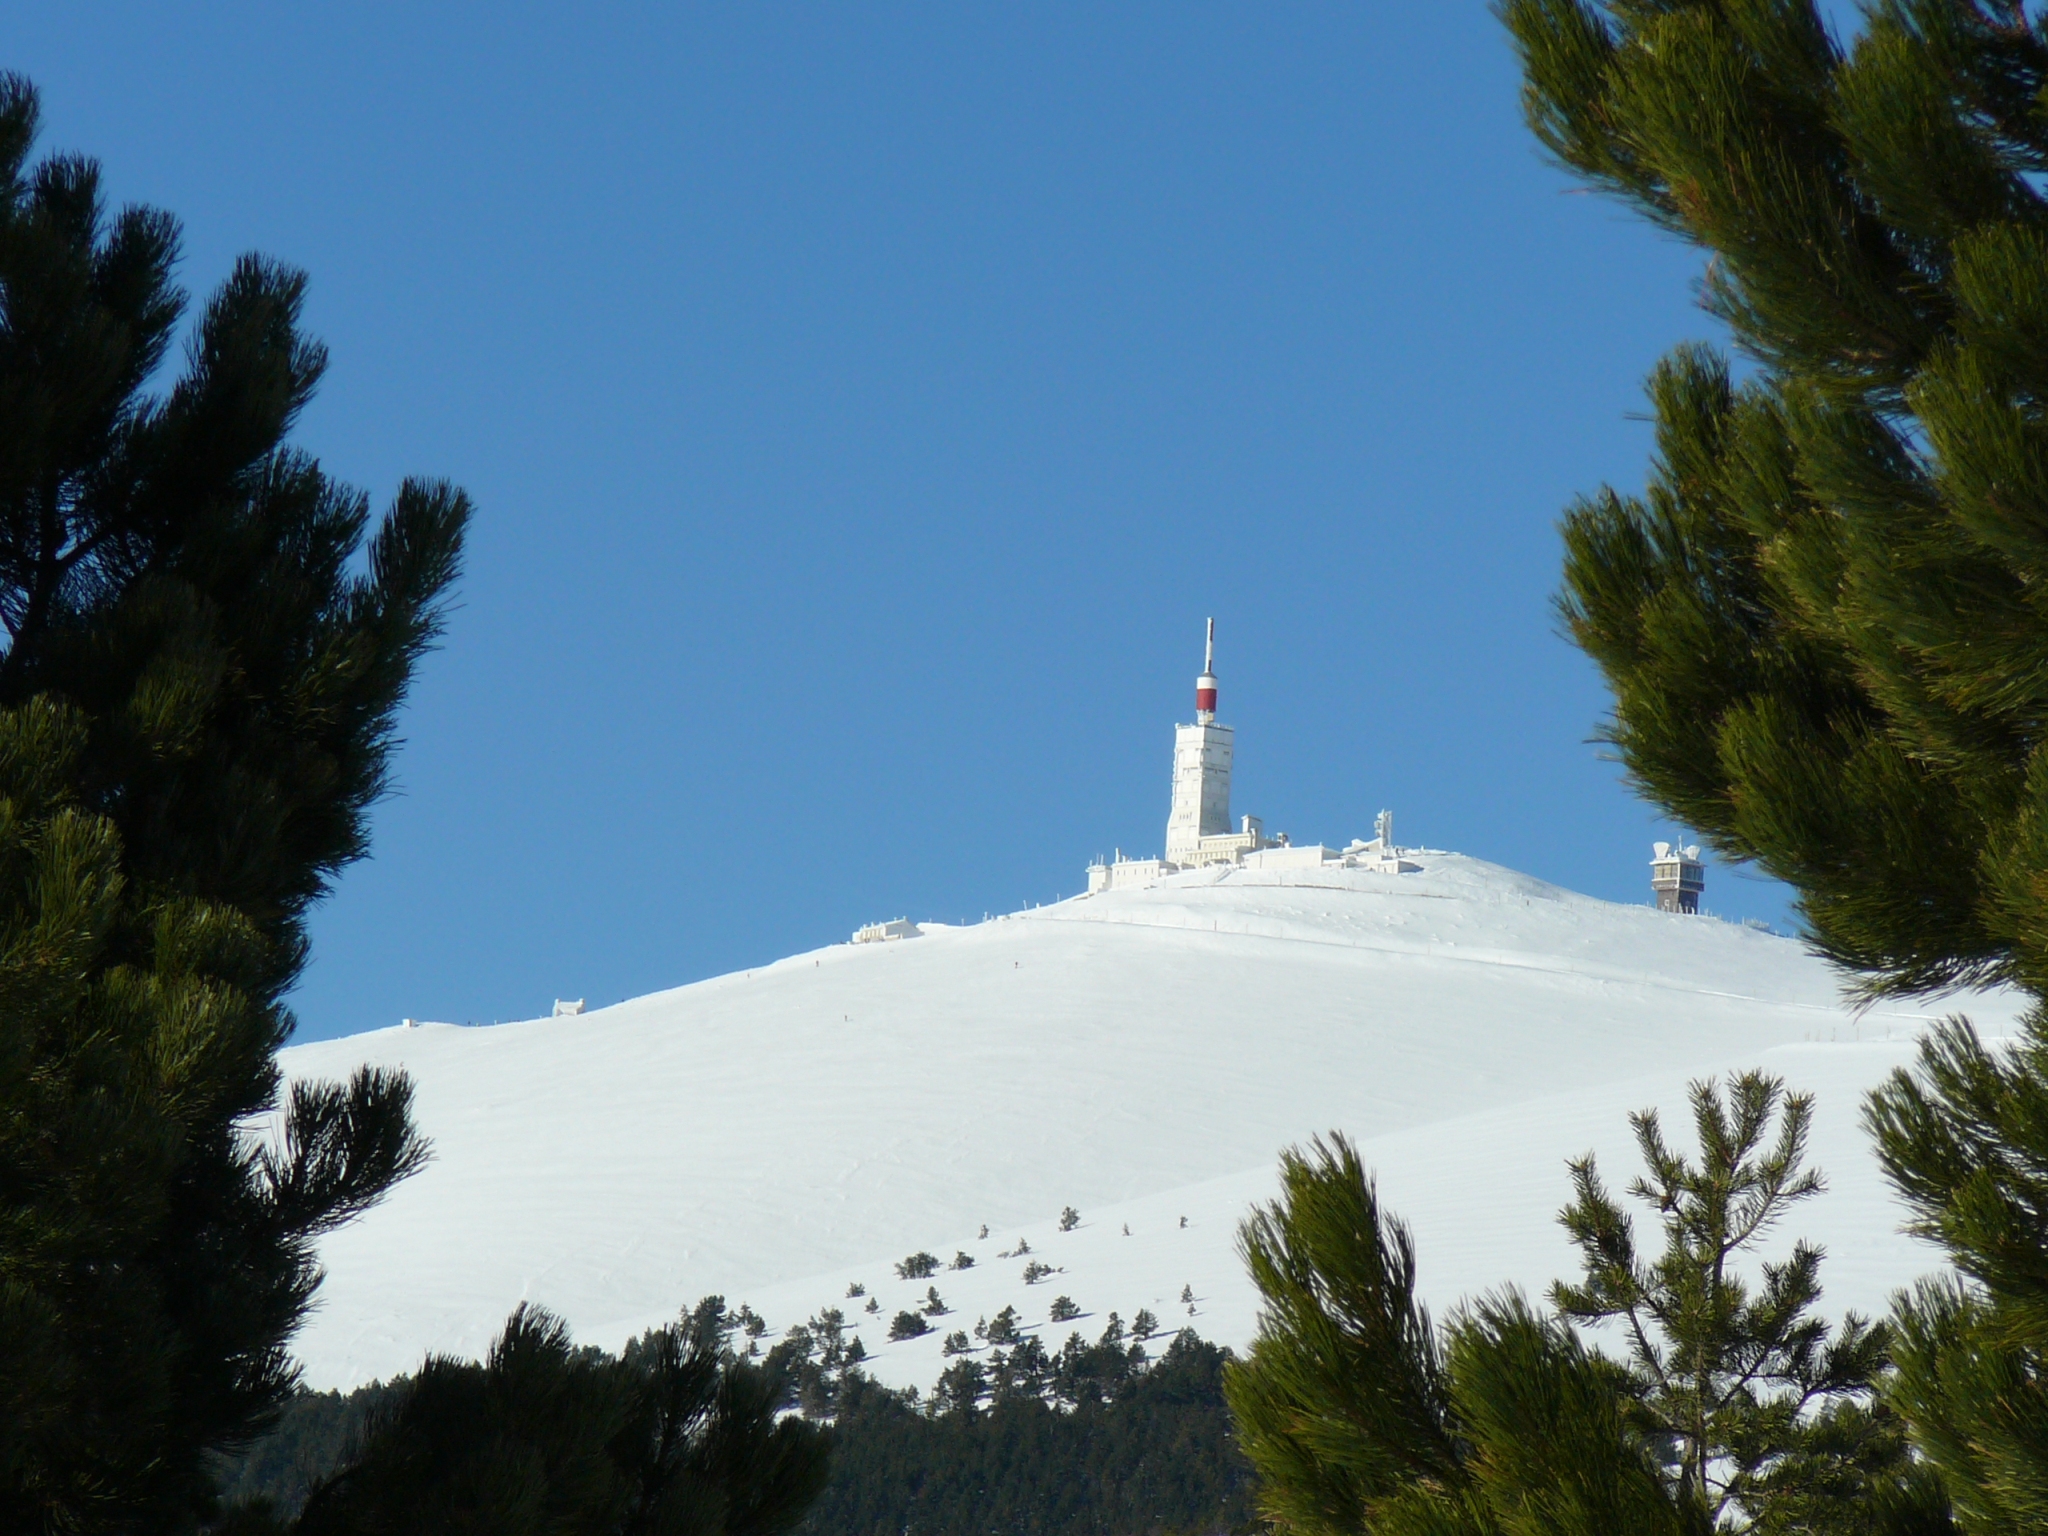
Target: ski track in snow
x: 1143, y: 1056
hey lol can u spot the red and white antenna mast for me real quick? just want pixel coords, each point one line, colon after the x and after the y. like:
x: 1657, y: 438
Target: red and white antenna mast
x: 1205, y: 685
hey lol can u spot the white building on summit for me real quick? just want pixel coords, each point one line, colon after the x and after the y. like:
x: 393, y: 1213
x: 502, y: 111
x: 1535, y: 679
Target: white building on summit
x: 1198, y: 829
x: 1198, y: 826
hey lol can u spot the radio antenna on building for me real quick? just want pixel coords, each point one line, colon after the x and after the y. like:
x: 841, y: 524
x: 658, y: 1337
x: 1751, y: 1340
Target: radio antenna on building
x: 1205, y: 685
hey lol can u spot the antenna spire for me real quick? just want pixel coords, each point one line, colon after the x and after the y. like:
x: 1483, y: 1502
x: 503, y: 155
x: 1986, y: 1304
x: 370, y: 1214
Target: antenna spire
x: 1205, y: 685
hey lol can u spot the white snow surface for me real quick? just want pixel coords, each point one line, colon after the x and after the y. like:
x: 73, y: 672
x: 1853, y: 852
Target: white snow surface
x: 780, y: 1134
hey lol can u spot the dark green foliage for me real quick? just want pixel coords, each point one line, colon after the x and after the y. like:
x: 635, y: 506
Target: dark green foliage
x: 1965, y: 1141
x: 1822, y: 623
x: 1754, y: 1410
x: 675, y: 1435
x: 307, y: 1445
x: 1342, y: 1399
x: 1063, y: 1309
x: 205, y: 644
x: 908, y: 1325
x: 816, y: 1357
x: 1730, y: 1410
x: 1022, y: 1371
x: 1153, y: 1454
x: 919, y: 1266
x: 1127, y: 1450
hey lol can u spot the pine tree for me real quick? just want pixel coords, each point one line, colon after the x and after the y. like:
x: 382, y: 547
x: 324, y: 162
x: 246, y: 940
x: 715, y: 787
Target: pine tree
x: 1760, y: 1418
x: 1962, y: 1140
x: 1730, y: 1411
x: 1821, y: 622
x: 205, y: 645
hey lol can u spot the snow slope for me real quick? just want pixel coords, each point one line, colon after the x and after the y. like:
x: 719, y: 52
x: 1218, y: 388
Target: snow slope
x: 780, y: 1134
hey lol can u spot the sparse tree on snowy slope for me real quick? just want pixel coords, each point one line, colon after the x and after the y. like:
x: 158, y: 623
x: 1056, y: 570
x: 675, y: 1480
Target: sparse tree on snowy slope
x: 1822, y: 624
x: 919, y: 1266
x: 1733, y: 1408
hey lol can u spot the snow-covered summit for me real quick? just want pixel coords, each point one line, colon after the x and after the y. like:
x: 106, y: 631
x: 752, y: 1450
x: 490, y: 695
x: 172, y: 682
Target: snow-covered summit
x: 779, y: 1134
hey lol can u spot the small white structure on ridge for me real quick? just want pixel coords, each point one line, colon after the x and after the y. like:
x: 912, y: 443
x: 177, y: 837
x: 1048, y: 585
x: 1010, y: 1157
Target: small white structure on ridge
x: 895, y: 928
x: 1677, y: 876
x: 568, y: 1008
x: 1198, y: 830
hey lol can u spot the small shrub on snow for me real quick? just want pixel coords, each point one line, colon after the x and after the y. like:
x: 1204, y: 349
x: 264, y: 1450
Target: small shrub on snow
x: 919, y: 1266
x: 1003, y: 1329
x: 956, y: 1343
x: 856, y: 1289
x: 1144, y: 1325
x: 874, y: 1304
x: 963, y: 1260
x: 1035, y: 1272
x: 908, y: 1325
x: 1069, y: 1219
x: 1064, y: 1310
x: 933, y: 1307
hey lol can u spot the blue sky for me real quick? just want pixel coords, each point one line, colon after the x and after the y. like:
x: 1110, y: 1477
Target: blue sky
x: 866, y: 405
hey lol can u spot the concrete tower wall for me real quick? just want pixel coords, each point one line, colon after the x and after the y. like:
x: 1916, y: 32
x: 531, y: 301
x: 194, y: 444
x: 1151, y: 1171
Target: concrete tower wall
x: 1201, y: 788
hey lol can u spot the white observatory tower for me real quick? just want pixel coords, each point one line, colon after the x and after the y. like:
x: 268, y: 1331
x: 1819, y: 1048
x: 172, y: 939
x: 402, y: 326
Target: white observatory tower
x: 1198, y: 830
x: 1198, y: 827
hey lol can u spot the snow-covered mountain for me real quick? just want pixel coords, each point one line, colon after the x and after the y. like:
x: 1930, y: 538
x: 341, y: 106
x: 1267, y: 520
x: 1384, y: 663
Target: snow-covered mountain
x: 781, y: 1134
